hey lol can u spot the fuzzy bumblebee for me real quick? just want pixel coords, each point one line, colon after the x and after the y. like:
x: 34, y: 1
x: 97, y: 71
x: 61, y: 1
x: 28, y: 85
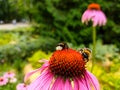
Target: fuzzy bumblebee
x: 86, y: 53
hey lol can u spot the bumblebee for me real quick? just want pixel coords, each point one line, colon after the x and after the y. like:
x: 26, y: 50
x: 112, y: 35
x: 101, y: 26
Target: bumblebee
x: 62, y: 46
x: 86, y: 53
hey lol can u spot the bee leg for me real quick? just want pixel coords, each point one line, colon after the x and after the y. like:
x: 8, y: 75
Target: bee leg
x: 86, y: 60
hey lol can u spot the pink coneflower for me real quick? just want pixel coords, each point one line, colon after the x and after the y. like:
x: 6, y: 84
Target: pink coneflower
x: 13, y: 80
x: 3, y: 81
x: 65, y: 71
x: 94, y: 14
x: 21, y: 86
x: 9, y: 75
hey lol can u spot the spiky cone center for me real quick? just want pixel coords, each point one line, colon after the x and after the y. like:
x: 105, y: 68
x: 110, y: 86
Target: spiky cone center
x: 67, y: 63
x: 94, y: 6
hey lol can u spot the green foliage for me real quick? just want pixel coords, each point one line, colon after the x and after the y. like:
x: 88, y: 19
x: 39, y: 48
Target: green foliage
x: 37, y: 56
x: 9, y: 86
x: 104, y: 52
x: 108, y: 76
x: 10, y: 52
x: 4, y: 39
x: 15, y: 36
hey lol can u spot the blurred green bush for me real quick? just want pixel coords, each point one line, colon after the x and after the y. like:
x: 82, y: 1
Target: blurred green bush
x: 105, y: 51
x: 108, y: 76
x: 24, y: 45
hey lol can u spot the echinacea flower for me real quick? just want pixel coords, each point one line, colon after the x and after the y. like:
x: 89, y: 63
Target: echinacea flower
x: 9, y: 75
x: 94, y: 14
x: 64, y: 71
x: 3, y: 81
x: 21, y: 86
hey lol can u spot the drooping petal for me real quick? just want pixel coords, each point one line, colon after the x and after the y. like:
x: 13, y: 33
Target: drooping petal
x: 99, y: 18
x: 86, y: 83
x: 96, y: 16
x: 91, y: 14
x: 93, y: 80
x: 30, y: 73
x: 76, y: 84
x: 87, y: 16
x: 104, y: 20
x: 58, y: 84
x: 34, y: 71
x: 67, y: 85
x: 38, y: 82
x: 44, y: 66
x: 82, y: 84
x: 45, y: 82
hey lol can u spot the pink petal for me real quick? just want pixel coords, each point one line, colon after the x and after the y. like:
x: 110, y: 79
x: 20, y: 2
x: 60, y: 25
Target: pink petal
x: 36, y: 83
x: 99, y: 19
x: 34, y: 71
x: 82, y: 84
x: 86, y: 83
x: 44, y: 66
x: 43, y: 61
x: 45, y: 82
x: 67, y: 85
x: 76, y: 84
x: 58, y: 84
x: 104, y: 20
x: 21, y: 86
x: 9, y: 75
x: 30, y: 73
x: 96, y: 16
x: 93, y: 80
x: 3, y: 81
x: 87, y: 16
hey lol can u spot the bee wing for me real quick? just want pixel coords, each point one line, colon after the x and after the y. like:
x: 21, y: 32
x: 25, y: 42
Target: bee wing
x: 88, y: 49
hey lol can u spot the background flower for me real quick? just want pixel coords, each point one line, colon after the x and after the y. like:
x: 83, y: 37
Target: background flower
x: 98, y: 18
x: 13, y: 80
x: 3, y: 81
x: 9, y: 75
x: 21, y: 86
x: 94, y: 14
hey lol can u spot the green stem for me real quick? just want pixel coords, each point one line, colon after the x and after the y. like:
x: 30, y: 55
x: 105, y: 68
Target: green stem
x: 94, y: 47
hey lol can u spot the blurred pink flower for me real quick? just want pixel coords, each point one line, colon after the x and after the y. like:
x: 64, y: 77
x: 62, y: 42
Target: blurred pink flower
x: 65, y: 71
x: 94, y: 14
x: 9, y: 75
x: 3, y: 81
x: 21, y: 86
x: 13, y: 80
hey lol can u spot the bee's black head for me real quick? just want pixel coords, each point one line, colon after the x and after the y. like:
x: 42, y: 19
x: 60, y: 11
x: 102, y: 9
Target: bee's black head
x: 62, y: 46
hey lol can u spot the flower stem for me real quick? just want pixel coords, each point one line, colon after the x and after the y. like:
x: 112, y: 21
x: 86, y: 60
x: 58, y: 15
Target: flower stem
x: 94, y: 47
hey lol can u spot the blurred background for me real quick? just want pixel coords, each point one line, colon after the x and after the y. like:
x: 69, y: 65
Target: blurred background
x: 30, y: 30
